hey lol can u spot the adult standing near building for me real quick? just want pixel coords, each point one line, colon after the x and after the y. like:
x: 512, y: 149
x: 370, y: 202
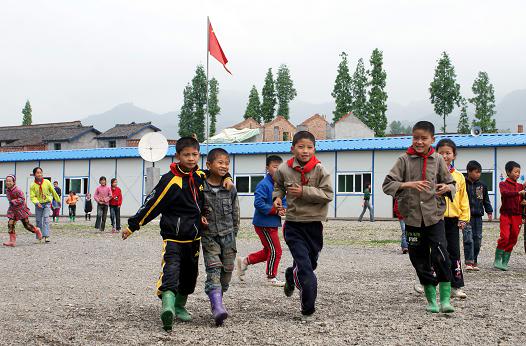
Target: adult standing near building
x: 366, y: 204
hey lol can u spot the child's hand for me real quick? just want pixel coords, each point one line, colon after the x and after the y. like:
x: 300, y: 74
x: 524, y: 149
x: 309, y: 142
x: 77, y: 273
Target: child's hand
x: 282, y: 212
x: 228, y: 184
x: 462, y: 225
x: 278, y: 204
x: 522, y: 192
x: 490, y: 217
x: 442, y: 189
x: 295, y: 191
x: 204, y: 221
x: 420, y: 185
x: 126, y: 233
x: 523, y: 202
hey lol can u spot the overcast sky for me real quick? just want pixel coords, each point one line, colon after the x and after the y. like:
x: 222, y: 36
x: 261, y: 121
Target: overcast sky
x: 75, y: 58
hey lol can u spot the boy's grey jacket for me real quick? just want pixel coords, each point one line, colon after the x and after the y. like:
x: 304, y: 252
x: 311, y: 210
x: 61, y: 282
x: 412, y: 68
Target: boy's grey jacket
x: 313, y: 205
x: 415, y: 206
x: 221, y: 211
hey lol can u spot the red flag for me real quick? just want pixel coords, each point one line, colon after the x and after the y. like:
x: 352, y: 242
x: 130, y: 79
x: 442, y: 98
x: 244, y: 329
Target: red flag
x: 215, y: 48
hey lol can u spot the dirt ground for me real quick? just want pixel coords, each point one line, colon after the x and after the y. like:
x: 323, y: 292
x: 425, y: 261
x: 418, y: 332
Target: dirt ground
x: 87, y: 288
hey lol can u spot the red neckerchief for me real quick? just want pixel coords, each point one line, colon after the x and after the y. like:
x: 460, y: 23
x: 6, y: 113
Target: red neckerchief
x: 39, y: 183
x: 178, y: 171
x: 412, y: 151
x: 309, y: 166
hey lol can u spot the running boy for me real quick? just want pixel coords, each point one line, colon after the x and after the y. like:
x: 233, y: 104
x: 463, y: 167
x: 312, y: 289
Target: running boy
x: 266, y: 221
x: 219, y: 233
x: 456, y: 216
x: 17, y: 211
x: 308, y: 188
x: 178, y: 197
x: 478, y: 203
x: 512, y: 195
x: 419, y: 180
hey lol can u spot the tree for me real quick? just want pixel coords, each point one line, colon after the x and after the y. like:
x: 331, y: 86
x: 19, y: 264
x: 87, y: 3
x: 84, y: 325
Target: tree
x: 268, y: 94
x: 484, y: 102
x: 397, y: 128
x: 187, y: 112
x: 199, y: 89
x: 377, y: 105
x: 463, y: 122
x: 359, y: 92
x: 213, y: 104
x: 285, y: 90
x: 342, y: 92
x: 27, y: 113
x: 444, y: 89
x: 253, y: 107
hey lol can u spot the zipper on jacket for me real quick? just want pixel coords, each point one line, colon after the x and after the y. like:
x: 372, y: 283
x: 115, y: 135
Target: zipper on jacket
x: 178, y: 223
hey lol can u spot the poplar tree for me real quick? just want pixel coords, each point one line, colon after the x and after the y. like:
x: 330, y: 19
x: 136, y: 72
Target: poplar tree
x: 342, y: 92
x: 253, y: 106
x: 268, y: 94
x: 284, y: 90
x: 377, y: 104
x: 484, y: 102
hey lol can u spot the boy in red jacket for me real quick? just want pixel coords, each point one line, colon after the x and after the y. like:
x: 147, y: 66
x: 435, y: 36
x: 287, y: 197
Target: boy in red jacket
x: 512, y: 195
x: 115, y: 206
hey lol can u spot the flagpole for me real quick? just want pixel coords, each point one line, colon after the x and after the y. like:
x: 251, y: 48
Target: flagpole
x: 207, y: 58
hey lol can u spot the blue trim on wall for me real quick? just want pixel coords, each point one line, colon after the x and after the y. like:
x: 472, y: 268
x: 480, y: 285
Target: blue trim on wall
x: 335, y: 183
x: 63, y: 186
x: 115, y: 176
x: 495, y: 199
x: 372, y: 180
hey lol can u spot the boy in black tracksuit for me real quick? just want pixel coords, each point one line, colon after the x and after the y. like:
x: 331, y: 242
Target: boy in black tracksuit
x: 179, y: 198
x: 478, y: 203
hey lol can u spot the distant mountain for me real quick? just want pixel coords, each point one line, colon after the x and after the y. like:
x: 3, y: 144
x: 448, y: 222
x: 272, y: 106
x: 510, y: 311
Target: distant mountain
x: 511, y: 110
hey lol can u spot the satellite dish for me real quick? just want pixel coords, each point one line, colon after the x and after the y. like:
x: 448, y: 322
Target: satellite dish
x: 476, y: 131
x: 153, y: 147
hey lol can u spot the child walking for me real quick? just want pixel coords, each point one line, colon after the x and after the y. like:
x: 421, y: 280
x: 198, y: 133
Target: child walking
x: 103, y: 197
x: 17, y: 211
x: 456, y: 217
x: 55, y: 206
x: 367, y: 204
x: 512, y: 196
x: 419, y: 180
x: 308, y: 188
x: 115, y: 206
x: 88, y: 206
x: 266, y: 221
x: 178, y: 197
x: 220, y: 231
x: 71, y: 201
x: 42, y: 193
x: 478, y: 203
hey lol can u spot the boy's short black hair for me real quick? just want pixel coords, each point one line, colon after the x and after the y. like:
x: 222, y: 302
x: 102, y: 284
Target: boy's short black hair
x: 186, y: 142
x: 446, y: 142
x: 215, y: 153
x: 113, y: 180
x: 473, y: 166
x: 303, y: 135
x: 55, y: 182
x: 274, y: 158
x: 102, y: 178
x: 426, y: 126
x: 36, y: 169
x: 510, y: 165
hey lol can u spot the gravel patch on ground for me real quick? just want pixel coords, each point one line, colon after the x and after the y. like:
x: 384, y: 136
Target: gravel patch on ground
x: 87, y: 288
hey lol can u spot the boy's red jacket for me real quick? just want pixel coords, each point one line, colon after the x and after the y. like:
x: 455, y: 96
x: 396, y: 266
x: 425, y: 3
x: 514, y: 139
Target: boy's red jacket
x: 116, y: 199
x: 511, y: 200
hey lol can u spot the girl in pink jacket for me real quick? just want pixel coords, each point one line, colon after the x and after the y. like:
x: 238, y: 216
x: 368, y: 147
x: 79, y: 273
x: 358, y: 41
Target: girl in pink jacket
x: 102, y: 196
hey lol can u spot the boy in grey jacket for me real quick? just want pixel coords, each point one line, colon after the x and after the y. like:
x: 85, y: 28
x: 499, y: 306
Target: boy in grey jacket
x: 221, y: 222
x: 308, y: 188
x: 420, y: 180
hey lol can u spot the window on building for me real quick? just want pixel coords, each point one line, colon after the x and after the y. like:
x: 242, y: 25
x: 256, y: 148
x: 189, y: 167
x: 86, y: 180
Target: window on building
x: 112, y: 144
x: 286, y: 136
x: 487, y: 178
x: 2, y: 187
x: 57, y: 146
x: 248, y: 183
x: 353, y: 182
x: 276, y: 133
x: 78, y: 185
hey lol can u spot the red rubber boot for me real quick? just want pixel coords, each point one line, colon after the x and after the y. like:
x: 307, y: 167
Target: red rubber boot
x: 38, y: 233
x: 12, y: 240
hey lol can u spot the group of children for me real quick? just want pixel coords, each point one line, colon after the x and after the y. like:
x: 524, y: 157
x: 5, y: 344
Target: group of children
x: 201, y: 209
x: 434, y: 202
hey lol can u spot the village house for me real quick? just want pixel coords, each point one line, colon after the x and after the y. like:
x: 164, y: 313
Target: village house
x: 125, y: 135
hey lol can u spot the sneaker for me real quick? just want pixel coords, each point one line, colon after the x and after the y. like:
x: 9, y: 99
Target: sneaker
x: 476, y: 267
x: 307, y: 318
x: 458, y: 293
x: 288, y: 289
x: 405, y: 251
x: 241, y: 268
x: 275, y: 282
x: 469, y: 267
x: 418, y: 288
x: 46, y: 239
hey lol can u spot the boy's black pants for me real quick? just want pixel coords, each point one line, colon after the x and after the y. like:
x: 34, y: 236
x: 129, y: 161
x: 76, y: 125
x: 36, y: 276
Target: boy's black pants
x: 453, y: 249
x: 428, y: 253
x: 305, y: 241
x: 179, y: 267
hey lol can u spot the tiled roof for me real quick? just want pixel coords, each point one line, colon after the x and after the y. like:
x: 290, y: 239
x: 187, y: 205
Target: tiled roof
x: 308, y: 120
x: 355, y: 144
x: 43, y: 133
x: 126, y: 130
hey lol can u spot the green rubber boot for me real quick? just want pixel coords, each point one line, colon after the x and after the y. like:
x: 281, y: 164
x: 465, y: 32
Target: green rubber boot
x: 431, y: 296
x: 445, y: 297
x: 498, y: 259
x: 168, y: 312
x: 505, y: 260
x: 180, y: 310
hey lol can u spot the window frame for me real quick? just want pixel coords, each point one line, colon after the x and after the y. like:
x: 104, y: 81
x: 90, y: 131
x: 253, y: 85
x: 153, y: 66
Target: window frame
x: 354, y: 175
x: 84, y: 185
x: 57, y: 144
x: 3, y: 188
x: 110, y: 142
x: 249, y: 176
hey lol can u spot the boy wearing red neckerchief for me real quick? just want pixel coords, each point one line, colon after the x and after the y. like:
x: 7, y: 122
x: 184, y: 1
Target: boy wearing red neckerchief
x: 307, y: 186
x: 419, y: 180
